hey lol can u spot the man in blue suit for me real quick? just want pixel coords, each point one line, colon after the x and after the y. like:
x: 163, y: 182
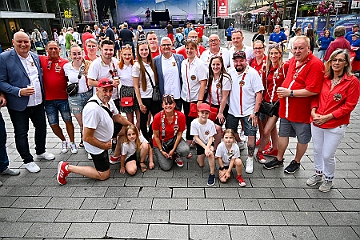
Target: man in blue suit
x: 21, y: 81
x: 168, y: 67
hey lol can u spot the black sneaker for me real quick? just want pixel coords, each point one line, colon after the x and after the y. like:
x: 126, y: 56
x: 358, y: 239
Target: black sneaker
x: 274, y: 164
x: 293, y: 167
x: 211, y: 180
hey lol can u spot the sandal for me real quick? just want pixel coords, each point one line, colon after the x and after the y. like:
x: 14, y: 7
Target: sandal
x: 81, y: 144
x: 189, y: 155
x: 143, y: 167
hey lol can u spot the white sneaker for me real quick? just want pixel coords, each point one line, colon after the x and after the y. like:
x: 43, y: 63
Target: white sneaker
x: 241, y: 145
x: 249, y: 165
x: 89, y: 156
x: 65, y: 148
x: 73, y: 148
x: 46, y: 156
x: 242, y: 136
x: 32, y: 167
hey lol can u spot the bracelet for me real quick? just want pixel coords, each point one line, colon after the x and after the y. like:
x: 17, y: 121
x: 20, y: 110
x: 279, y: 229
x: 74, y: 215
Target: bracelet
x: 221, y: 168
x: 199, y: 100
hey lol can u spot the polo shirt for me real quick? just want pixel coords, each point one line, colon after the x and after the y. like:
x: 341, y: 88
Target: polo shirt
x: 273, y: 80
x: 147, y: 93
x: 260, y: 68
x: 72, y: 74
x: 216, y: 90
x: 110, y: 34
x: 223, y: 52
x: 171, y: 76
x: 203, y: 131
x: 126, y: 35
x: 226, y: 155
x: 277, y: 37
x: 182, y: 50
x: 247, y: 49
x: 310, y: 76
x: 129, y: 149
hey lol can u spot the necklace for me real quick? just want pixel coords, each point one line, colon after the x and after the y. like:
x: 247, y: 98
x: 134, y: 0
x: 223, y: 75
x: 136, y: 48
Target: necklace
x: 334, y: 83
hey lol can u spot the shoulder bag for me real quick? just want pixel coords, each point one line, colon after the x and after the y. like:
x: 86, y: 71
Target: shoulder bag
x: 156, y: 96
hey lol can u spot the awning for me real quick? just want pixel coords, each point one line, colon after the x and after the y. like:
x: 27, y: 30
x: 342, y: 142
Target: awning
x: 263, y: 10
x: 9, y: 14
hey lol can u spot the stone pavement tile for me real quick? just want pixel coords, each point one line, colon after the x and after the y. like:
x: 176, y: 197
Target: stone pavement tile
x: 304, y: 218
x: 113, y: 182
x: 189, y: 174
x: 58, y: 191
x: 264, y: 218
x: 155, y: 192
x: 65, y: 203
x: 205, y: 204
x: 210, y: 232
x: 7, y: 201
x: 45, y: 182
x: 10, y: 214
x: 79, y: 181
x: 18, y: 181
x: 341, y: 218
x: 349, y: 193
x: 188, y: 193
x: 255, y: 193
x: 278, y: 204
x: 127, y: 231
x: 251, y: 232
x: 315, y: 193
x: 171, y: 182
x: 99, y: 203
x: 89, y: 192
x: 289, y: 193
x: 134, y: 203
x: 354, y: 183
x: 140, y: 182
x: 316, y: 205
x: 14, y: 229
x: 296, y: 183
x: 289, y: 232
x: 201, y: 182
x: 122, y: 192
x: 31, y: 202
x: 39, y: 215
x: 25, y: 191
x: 87, y: 230
x: 221, y: 193
x: 75, y: 216
x: 272, y: 182
x: 356, y: 229
x: 276, y: 173
x: 241, y: 204
x: 170, y: 204
x: 334, y: 232
x: 167, y: 231
x: 113, y: 216
x: 188, y: 217
x: 158, y: 173
x: 347, y: 174
x: 346, y: 205
x: 356, y: 173
x: 226, y: 217
x: 150, y: 216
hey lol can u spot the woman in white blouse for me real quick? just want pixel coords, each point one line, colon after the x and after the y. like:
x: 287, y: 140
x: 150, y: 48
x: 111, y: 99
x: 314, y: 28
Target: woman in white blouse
x: 144, y: 78
x: 76, y: 73
x: 194, y: 76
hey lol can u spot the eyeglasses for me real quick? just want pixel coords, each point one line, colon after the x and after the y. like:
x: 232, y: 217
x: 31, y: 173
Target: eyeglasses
x: 166, y: 45
x: 91, y: 46
x: 214, y: 40
x: 338, y: 60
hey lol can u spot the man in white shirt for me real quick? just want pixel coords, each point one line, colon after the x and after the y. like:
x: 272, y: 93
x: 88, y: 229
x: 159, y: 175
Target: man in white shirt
x: 99, y: 115
x: 215, y: 50
x: 168, y: 66
x: 244, y: 102
x: 237, y: 39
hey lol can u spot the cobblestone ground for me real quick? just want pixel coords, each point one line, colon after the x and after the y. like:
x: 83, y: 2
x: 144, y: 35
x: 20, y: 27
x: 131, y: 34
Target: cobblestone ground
x: 177, y: 204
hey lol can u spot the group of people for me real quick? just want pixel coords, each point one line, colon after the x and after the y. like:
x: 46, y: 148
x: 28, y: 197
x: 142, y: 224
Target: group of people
x: 194, y: 90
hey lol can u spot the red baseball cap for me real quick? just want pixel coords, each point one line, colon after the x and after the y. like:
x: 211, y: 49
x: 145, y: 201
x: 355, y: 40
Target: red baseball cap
x: 105, y: 82
x: 204, y: 107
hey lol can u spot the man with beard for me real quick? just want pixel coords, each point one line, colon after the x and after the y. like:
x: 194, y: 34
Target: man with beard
x: 99, y: 115
x: 244, y: 102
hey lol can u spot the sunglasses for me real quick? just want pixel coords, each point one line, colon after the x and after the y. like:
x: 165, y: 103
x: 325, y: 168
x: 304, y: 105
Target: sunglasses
x: 127, y: 46
x: 113, y: 72
x: 106, y: 82
x: 142, y: 42
x: 82, y: 68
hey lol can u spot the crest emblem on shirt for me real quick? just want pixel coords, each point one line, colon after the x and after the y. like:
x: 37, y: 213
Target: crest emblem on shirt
x: 242, y: 83
x: 174, y: 64
x: 337, y: 97
x: 207, y: 132
x: 176, y: 127
x: 218, y: 85
x: 193, y: 77
x: 57, y: 68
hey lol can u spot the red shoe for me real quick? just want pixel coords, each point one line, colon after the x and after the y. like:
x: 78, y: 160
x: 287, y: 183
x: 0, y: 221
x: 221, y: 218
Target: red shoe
x: 260, y: 157
x: 268, y: 146
x: 114, y: 160
x: 257, y: 142
x: 270, y: 152
x: 179, y: 162
x: 241, y: 181
x: 62, y: 172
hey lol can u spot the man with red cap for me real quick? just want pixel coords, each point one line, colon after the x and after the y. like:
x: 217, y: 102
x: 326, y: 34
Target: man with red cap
x: 99, y: 115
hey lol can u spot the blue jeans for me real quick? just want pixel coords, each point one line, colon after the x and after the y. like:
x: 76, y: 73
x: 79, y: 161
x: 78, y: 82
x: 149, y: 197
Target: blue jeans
x: 20, y: 120
x: 53, y: 107
x: 4, y: 160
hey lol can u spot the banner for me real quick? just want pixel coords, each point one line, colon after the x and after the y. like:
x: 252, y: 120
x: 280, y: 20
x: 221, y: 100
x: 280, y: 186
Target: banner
x: 222, y: 8
x: 87, y: 10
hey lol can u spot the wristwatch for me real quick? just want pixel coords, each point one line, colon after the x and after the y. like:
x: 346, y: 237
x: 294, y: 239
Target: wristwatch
x: 291, y: 93
x: 221, y: 168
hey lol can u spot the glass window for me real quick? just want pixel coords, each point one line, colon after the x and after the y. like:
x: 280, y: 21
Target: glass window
x: 37, y: 6
x: 3, y: 5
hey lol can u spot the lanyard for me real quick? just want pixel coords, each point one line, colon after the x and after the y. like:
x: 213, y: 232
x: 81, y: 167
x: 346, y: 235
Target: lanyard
x: 242, y: 83
x: 176, y: 127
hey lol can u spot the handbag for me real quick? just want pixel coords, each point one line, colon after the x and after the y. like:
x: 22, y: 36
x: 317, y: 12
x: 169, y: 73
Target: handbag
x: 169, y: 144
x: 269, y: 108
x: 72, y: 89
x: 156, y: 95
x: 127, y: 101
x: 193, y: 110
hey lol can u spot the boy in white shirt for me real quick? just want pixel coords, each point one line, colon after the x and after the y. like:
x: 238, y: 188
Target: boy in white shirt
x: 203, y: 131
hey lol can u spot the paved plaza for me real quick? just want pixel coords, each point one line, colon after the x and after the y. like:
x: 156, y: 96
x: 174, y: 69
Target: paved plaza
x: 178, y: 204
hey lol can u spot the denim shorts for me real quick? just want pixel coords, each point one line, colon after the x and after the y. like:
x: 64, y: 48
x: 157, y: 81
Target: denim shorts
x: 77, y: 102
x: 233, y: 123
x: 53, y: 106
x: 295, y: 129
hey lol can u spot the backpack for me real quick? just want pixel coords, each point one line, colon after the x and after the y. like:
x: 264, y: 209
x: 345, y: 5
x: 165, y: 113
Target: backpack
x: 142, y: 36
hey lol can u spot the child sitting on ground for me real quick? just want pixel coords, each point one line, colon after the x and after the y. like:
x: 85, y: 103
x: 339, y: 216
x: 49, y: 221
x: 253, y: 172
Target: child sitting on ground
x: 135, y: 149
x: 203, y: 131
x: 228, y: 155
